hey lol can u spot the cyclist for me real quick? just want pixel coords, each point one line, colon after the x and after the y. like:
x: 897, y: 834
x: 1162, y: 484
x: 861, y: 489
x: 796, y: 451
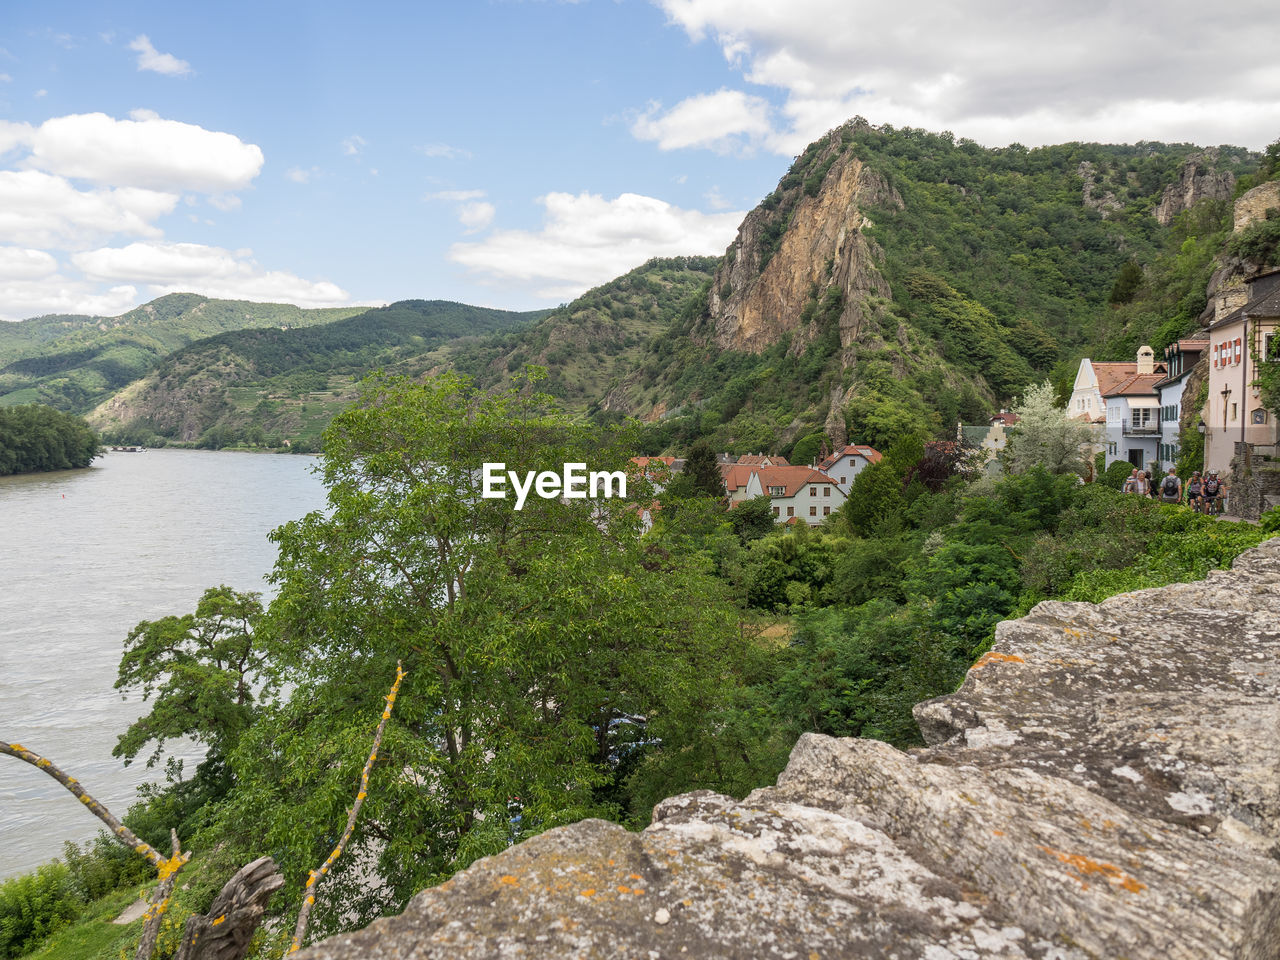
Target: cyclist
x: 1211, y: 494
x: 1195, y: 491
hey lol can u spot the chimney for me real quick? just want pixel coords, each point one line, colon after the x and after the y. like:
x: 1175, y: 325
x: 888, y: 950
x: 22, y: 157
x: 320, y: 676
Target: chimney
x: 1146, y: 360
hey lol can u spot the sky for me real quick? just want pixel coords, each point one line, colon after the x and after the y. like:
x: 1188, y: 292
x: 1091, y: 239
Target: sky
x: 515, y: 154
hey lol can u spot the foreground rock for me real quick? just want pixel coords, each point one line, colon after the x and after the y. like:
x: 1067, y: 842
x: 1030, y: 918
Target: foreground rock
x: 1106, y: 783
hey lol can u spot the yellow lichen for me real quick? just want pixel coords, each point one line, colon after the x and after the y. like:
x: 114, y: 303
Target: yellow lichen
x: 991, y: 656
x: 1087, y: 867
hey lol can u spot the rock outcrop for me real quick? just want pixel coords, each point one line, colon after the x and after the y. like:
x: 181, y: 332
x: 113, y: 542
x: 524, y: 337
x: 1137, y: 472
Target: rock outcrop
x: 1198, y: 179
x: 760, y: 293
x: 1105, y: 784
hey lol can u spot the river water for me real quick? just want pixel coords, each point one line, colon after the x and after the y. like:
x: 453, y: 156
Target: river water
x: 84, y: 556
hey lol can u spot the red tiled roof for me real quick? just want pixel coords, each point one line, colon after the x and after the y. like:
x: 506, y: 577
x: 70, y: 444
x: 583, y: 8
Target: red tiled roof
x: 793, y: 479
x: 1008, y: 419
x: 870, y: 454
x: 736, y: 475
x: 1136, y: 385
x: 645, y: 461
x: 757, y: 459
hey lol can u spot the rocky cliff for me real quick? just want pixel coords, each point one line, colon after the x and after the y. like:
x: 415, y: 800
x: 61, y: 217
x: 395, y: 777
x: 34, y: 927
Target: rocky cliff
x: 805, y: 242
x: 1200, y: 177
x: 1105, y: 784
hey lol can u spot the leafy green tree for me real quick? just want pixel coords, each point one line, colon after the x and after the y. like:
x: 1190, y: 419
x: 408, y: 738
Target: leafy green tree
x: 701, y: 475
x: 200, y: 668
x: 1127, y: 283
x: 1044, y: 437
x: 35, y: 437
x: 558, y: 663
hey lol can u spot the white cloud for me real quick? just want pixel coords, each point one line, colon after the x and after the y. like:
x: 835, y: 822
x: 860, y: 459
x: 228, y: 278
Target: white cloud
x: 17, y: 263
x: 725, y: 120
x: 474, y: 212
x: 301, y: 174
x: 444, y: 151
x: 149, y: 58
x: 146, y: 152
x: 476, y: 216
x: 40, y: 210
x: 587, y: 240
x: 20, y: 299
x: 5, y: 78
x: 456, y: 196
x: 225, y: 202
x: 715, y: 200
x: 42, y: 92
x: 993, y: 70
x: 212, y: 271
x: 353, y: 145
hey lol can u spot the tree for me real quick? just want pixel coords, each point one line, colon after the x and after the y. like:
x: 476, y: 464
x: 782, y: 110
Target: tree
x: 1043, y: 436
x: 557, y: 663
x: 202, y: 669
x: 701, y: 475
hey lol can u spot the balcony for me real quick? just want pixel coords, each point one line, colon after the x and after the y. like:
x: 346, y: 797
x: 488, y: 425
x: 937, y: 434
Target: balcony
x: 1140, y: 428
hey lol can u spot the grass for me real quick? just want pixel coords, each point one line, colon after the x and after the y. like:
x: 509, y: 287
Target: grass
x: 94, y: 936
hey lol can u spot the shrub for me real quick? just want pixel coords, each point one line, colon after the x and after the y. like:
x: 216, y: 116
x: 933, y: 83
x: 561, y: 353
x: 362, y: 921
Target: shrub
x: 33, y: 906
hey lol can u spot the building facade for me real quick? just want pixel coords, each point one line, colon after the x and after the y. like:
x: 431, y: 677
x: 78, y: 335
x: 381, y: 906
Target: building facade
x: 1244, y: 334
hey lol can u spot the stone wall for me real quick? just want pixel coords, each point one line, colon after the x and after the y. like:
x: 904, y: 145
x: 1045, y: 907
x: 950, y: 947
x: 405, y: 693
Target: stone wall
x: 1255, y: 483
x: 1105, y: 784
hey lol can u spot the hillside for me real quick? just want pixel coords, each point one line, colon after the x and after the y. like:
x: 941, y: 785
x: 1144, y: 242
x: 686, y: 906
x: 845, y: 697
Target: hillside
x: 73, y: 362
x: 588, y: 345
x: 900, y: 280
x: 265, y: 386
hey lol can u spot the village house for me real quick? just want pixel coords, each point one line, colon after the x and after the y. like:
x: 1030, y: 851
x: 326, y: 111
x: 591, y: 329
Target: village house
x: 1244, y: 332
x: 989, y: 439
x: 1120, y: 397
x: 762, y: 460
x: 845, y: 464
x: 1179, y: 359
x: 796, y: 493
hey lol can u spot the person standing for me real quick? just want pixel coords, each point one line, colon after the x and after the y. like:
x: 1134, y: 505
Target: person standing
x: 1140, y: 484
x: 1171, y: 487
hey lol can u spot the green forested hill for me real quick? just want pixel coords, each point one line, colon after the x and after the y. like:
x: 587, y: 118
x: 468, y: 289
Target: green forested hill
x: 270, y: 385
x: 73, y: 362
x: 1002, y: 266
x: 589, y: 344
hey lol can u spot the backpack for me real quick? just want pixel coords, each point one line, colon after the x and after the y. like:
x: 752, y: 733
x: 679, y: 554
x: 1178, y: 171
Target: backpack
x: 1211, y: 488
x: 1170, y: 488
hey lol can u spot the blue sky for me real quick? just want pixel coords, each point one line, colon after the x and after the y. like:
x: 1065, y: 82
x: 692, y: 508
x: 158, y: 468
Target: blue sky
x: 514, y: 154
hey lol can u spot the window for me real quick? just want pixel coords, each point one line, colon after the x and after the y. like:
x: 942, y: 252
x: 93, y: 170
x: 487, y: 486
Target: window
x: 826, y: 491
x: 826, y: 511
x: 1271, y: 348
x: 813, y: 491
x: 1233, y: 411
x: 775, y: 511
x: 843, y: 481
x: 791, y: 511
x: 777, y: 491
x: 813, y: 511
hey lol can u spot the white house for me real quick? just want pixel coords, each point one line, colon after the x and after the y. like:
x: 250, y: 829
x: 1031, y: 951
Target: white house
x: 1120, y: 396
x: 1179, y: 359
x: 797, y: 493
x: 843, y: 465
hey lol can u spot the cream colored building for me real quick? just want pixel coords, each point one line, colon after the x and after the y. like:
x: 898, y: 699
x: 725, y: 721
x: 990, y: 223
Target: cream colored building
x: 1245, y: 332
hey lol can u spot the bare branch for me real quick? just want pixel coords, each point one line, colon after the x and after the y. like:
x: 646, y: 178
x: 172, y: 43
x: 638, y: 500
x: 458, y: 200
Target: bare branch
x: 167, y: 869
x: 315, y: 876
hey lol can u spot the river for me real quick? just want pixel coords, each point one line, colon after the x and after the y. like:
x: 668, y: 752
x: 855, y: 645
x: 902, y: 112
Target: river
x: 84, y: 556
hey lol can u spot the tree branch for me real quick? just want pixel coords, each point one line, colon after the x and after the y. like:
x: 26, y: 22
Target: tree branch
x: 315, y: 876
x: 167, y: 869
